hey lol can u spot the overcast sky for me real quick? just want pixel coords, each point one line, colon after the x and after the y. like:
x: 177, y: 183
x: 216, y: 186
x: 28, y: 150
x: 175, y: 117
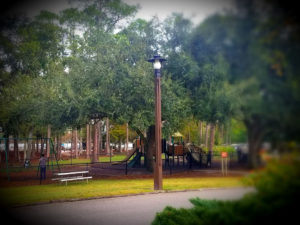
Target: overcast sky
x: 196, y: 10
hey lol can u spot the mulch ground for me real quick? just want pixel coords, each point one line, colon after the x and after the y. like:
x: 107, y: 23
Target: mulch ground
x: 107, y: 171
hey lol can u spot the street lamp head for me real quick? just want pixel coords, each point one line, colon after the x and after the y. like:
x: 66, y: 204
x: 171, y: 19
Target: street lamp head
x: 156, y: 61
x: 156, y: 64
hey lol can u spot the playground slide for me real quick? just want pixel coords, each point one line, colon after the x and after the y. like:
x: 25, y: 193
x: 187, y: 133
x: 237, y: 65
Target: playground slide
x: 195, y: 157
x: 127, y: 158
x: 135, y: 160
x: 205, y: 159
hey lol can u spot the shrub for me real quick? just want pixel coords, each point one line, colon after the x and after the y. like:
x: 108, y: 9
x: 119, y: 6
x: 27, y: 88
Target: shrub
x: 276, y: 200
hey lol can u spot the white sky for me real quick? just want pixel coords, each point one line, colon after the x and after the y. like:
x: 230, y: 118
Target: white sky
x: 196, y: 10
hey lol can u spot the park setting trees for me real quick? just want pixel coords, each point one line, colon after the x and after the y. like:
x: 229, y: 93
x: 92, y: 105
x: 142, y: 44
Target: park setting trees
x: 82, y: 76
x: 85, y: 61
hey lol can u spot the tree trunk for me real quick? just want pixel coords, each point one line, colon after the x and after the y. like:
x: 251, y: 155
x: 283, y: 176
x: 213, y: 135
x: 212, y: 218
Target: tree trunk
x: 189, y: 135
x: 96, y: 142
x: 56, y: 144
x: 206, y: 134
x: 107, y: 137
x: 255, y: 137
x: 221, y: 134
x: 120, y: 145
x: 36, y: 145
x: 79, y: 140
x: 75, y: 143
x: 42, y: 145
x: 59, y: 147
x: 55, y: 147
x: 48, y: 140
x: 16, y: 149
x: 72, y: 142
x: 228, y: 133
x: 126, y: 144
x: 253, y: 148
x: 100, y: 137
x: 25, y: 149
x: 33, y: 146
x: 88, y: 142
x: 200, y: 132
x: 150, y: 148
x: 212, y: 137
x: 29, y: 149
x: 7, y: 145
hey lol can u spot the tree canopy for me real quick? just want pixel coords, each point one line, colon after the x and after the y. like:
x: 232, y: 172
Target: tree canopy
x: 61, y: 69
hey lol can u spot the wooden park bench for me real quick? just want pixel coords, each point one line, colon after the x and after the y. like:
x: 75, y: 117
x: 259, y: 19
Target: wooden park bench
x: 72, y: 176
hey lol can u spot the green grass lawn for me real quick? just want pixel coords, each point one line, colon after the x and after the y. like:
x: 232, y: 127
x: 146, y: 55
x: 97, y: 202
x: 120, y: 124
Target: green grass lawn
x: 114, y: 158
x: 101, y: 188
x: 101, y: 159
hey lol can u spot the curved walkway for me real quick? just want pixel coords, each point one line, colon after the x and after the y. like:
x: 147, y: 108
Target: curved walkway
x: 133, y: 210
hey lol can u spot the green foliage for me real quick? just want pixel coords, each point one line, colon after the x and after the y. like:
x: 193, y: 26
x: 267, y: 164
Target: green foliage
x: 175, y: 106
x: 224, y: 148
x: 190, y: 131
x: 279, y: 179
x: 276, y: 200
x: 174, y: 216
x: 238, y: 132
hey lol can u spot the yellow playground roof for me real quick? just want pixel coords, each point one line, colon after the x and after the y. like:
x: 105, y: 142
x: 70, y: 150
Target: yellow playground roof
x: 177, y: 134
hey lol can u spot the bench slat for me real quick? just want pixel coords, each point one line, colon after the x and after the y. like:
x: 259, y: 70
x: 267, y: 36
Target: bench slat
x: 70, y: 173
x: 75, y: 178
x: 60, y: 178
x: 67, y: 176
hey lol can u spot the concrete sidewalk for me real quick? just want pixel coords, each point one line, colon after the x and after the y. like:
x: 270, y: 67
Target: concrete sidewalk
x: 131, y: 210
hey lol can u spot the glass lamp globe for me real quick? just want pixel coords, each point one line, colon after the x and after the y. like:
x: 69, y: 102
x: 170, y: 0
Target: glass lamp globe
x: 157, y: 65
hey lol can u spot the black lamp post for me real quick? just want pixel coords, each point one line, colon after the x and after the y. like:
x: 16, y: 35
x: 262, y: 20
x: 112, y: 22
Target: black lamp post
x: 156, y: 61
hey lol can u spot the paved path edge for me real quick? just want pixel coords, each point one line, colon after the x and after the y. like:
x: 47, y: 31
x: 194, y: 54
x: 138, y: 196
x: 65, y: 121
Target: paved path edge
x: 127, y: 195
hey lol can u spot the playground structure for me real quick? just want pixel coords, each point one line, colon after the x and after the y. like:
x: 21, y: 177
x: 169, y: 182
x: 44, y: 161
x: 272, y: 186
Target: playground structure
x: 177, y: 157
x: 173, y: 152
x: 194, y: 155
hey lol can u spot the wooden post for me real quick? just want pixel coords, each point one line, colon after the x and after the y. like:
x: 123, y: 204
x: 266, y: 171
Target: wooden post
x: 224, y: 156
x: 158, y: 162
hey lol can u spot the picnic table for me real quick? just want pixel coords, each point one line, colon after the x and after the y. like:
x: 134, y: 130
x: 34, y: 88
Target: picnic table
x: 72, y: 176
